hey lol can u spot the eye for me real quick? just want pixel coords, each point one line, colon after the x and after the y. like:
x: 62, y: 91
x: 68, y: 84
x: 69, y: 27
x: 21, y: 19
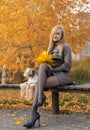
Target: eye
x: 58, y: 33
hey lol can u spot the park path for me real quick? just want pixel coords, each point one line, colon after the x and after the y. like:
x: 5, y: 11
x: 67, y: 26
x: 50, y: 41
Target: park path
x: 9, y: 119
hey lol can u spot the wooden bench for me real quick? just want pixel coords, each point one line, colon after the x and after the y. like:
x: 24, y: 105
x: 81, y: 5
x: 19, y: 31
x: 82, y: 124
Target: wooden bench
x: 55, y: 92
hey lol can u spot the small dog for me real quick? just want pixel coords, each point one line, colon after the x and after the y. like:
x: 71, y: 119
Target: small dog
x: 31, y: 75
x: 28, y: 87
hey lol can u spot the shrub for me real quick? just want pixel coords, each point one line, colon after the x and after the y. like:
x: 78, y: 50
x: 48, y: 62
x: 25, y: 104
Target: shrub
x: 80, y: 71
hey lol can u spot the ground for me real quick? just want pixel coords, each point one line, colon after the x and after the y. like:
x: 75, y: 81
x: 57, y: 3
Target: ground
x: 11, y: 119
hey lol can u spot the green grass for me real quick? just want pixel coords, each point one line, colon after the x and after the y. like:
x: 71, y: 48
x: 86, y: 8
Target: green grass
x: 5, y: 101
x: 84, y: 100
x: 79, y: 82
x: 71, y: 104
x: 80, y: 71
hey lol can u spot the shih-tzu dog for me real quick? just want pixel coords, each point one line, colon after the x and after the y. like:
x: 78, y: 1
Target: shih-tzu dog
x: 31, y: 75
x: 28, y: 87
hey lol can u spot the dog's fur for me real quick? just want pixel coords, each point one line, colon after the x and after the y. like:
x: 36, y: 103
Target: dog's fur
x: 31, y: 75
x: 28, y: 87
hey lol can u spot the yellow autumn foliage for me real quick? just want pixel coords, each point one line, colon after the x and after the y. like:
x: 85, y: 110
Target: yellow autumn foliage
x: 44, y: 57
x: 25, y: 27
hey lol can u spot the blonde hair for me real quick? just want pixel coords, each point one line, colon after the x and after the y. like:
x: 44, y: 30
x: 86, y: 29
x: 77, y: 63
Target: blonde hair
x: 51, y: 43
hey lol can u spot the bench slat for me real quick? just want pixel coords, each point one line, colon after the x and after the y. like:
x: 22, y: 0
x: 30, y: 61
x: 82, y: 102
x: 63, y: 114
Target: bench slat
x: 69, y: 88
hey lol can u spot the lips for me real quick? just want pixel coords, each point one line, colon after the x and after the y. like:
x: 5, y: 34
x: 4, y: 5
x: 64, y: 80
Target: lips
x: 55, y: 38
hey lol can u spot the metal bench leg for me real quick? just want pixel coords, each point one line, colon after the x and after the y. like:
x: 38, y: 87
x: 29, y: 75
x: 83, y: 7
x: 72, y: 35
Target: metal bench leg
x: 55, y: 102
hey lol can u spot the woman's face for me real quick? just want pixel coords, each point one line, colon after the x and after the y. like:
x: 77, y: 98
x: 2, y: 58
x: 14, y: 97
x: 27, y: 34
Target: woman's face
x: 57, y: 35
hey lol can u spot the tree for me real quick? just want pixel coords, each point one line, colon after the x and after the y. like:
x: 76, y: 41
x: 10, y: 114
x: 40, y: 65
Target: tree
x: 25, y: 27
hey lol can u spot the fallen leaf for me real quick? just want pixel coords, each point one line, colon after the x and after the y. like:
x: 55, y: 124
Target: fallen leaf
x: 18, y: 122
x: 43, y: 125
x: 11, y: 115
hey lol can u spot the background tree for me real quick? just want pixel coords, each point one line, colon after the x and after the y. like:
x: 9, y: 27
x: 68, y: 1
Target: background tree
x: 25, y: 27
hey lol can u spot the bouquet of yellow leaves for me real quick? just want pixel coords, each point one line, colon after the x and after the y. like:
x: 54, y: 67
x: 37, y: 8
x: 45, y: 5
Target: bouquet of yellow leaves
x: 44, y: 57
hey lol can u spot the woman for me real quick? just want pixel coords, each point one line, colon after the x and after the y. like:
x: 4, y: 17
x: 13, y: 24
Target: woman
x: 52, y: 76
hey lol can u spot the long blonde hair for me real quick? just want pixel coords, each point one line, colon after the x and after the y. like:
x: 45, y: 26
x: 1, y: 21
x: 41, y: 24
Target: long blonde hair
x: 63, y: 39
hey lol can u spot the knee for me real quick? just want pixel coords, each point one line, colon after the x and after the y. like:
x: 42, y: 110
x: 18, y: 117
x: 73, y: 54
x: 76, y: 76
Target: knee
x: 43, y: 66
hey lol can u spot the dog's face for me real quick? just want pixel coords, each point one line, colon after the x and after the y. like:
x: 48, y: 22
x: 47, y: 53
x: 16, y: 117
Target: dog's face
x: 29, y: 72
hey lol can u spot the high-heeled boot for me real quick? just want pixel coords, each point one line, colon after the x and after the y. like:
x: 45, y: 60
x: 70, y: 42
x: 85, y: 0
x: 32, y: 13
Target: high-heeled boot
x: 38, y: 104
x: 32, y: 123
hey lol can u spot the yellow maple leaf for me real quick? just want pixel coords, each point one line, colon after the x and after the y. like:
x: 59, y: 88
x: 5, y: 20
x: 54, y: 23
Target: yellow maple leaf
x: 44, y: 57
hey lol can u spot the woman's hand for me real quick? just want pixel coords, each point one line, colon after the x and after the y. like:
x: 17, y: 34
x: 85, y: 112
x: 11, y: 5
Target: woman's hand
x: 50, y: 66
